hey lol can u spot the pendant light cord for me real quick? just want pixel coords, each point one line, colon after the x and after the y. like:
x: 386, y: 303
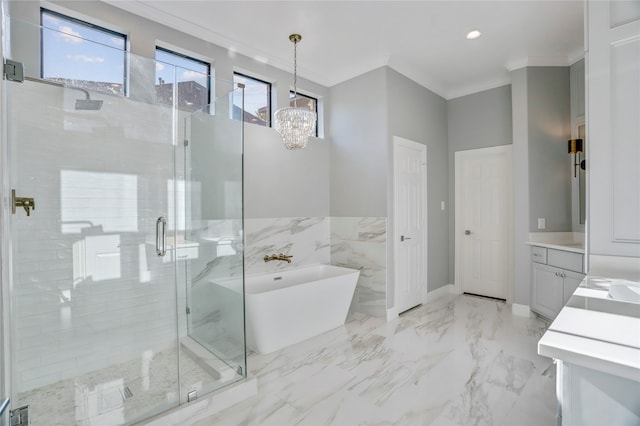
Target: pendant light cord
x: 295, y: 74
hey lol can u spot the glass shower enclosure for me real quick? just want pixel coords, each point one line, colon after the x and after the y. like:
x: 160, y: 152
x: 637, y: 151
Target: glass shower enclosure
x: 124, y: 246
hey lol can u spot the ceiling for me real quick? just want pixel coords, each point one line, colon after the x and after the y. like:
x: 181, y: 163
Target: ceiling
x: 424, y: 40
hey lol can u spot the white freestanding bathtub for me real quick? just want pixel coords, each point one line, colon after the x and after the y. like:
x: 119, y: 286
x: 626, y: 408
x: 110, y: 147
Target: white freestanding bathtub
x: 290, y: 306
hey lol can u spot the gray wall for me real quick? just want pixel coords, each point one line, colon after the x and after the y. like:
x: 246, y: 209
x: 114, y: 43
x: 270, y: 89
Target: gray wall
x: 359, y: 134
x: 542, y: 186
x: 283, y: 183
x: 548, y: 131
x: 521, y: 251
x: 418, y: 114
x: 577, y: 79
x: 479, y: 120
x: 366, y: 112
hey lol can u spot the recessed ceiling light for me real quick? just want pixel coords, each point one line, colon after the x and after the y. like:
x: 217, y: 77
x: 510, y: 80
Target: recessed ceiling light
x: 473, y: 34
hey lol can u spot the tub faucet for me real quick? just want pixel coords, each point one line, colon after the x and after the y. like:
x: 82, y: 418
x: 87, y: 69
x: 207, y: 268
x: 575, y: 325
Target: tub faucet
x: 283, y: 257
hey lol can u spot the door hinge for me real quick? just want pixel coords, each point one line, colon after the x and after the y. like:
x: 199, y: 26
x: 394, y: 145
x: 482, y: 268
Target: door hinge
x: 186, y: 142
x: 20, y: 416
x: 188, y: 310
x: 13, y: 70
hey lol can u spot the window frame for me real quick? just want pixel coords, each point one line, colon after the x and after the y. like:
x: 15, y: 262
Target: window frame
x: 191, y: 58
x: 269, y: 95
x: 291, y: 92
x: 125, y: 39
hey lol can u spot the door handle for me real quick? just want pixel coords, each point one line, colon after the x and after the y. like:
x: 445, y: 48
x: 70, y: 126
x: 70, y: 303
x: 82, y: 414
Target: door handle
x: 161, y: 229
x: 26, y: 203
x: 402, y: 238
x: 467, y: 232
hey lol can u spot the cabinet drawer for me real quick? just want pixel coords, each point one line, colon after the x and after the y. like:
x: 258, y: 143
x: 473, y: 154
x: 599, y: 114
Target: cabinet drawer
x: 565, y: 260
x: 538, y: 254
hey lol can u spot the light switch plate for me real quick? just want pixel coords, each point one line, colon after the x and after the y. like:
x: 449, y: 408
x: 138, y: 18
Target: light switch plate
x: 541, y: 223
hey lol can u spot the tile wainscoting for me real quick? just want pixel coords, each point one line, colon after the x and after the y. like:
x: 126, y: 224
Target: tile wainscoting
x: 361, y: 243
x: 352, y: 242
x: 305, y: 238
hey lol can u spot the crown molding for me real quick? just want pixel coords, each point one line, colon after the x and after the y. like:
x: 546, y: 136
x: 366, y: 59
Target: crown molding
x: 479, y: 87
x: 576, y: 56
x: 148, y: 11
x: 538, y: 61
x: 419, y: 76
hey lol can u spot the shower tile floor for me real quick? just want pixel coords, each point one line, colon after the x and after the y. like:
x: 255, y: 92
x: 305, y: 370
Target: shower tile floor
x: 457, y: 360
x: 121, y: 393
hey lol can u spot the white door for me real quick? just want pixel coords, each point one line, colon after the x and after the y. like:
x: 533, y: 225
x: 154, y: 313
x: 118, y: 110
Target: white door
x: 483, y: 221
x: 410, y: 218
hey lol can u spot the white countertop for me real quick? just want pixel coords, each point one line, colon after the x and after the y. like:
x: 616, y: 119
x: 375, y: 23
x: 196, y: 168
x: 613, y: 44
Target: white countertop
x: 573, y: 247
x: 567, y: 241
x: 596, y: 331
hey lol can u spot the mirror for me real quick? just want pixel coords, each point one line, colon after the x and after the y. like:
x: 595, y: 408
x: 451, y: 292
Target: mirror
x: 582, y: 175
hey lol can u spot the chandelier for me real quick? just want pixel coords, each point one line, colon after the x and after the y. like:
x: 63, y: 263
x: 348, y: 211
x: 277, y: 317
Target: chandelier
x: 294, y: 124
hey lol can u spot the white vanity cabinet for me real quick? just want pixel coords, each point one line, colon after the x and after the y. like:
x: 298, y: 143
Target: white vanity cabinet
x: 613, y: 108
x: 555, y: 274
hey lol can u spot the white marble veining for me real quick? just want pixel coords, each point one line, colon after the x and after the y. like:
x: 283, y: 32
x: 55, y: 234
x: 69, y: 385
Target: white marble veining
x: 305, y: 238
x: 361, y: 243
x: 456, y: 360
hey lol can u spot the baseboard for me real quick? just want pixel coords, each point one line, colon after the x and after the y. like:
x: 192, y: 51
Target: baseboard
x: 520, y: 310
x: 441, y: 291
x: 392, y: 313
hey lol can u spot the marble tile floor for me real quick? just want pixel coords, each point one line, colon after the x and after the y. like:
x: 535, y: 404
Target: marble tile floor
x: 458, y: 360
x: 100, y: 398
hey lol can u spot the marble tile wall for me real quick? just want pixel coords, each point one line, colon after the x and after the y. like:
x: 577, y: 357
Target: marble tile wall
x: 361, y: 243
x: 305, y: 238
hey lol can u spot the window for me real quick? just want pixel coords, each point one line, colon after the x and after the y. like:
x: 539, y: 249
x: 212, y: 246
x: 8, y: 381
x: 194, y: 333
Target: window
x: 304, y: 101
x: 191, y: 76
x: 257, y: 100
x: 80, y: 54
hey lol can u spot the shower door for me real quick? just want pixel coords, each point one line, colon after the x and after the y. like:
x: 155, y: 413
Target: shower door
x: 214, y: 278
x: 93, y: 294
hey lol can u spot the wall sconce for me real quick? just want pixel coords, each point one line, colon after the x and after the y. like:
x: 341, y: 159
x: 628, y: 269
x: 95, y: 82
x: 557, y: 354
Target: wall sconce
x: 575, y: 148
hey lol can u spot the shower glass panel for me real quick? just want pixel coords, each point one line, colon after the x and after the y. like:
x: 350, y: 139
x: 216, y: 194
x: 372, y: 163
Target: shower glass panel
x: 94, y: 307
x: 213, y: 164
x: 104, y: 248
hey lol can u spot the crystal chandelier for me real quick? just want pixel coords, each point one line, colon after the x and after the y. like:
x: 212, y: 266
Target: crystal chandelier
x: 294, y: 124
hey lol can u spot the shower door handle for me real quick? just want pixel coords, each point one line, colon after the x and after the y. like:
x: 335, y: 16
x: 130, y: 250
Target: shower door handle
x: 3, y: 406
x: 161, y: 229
